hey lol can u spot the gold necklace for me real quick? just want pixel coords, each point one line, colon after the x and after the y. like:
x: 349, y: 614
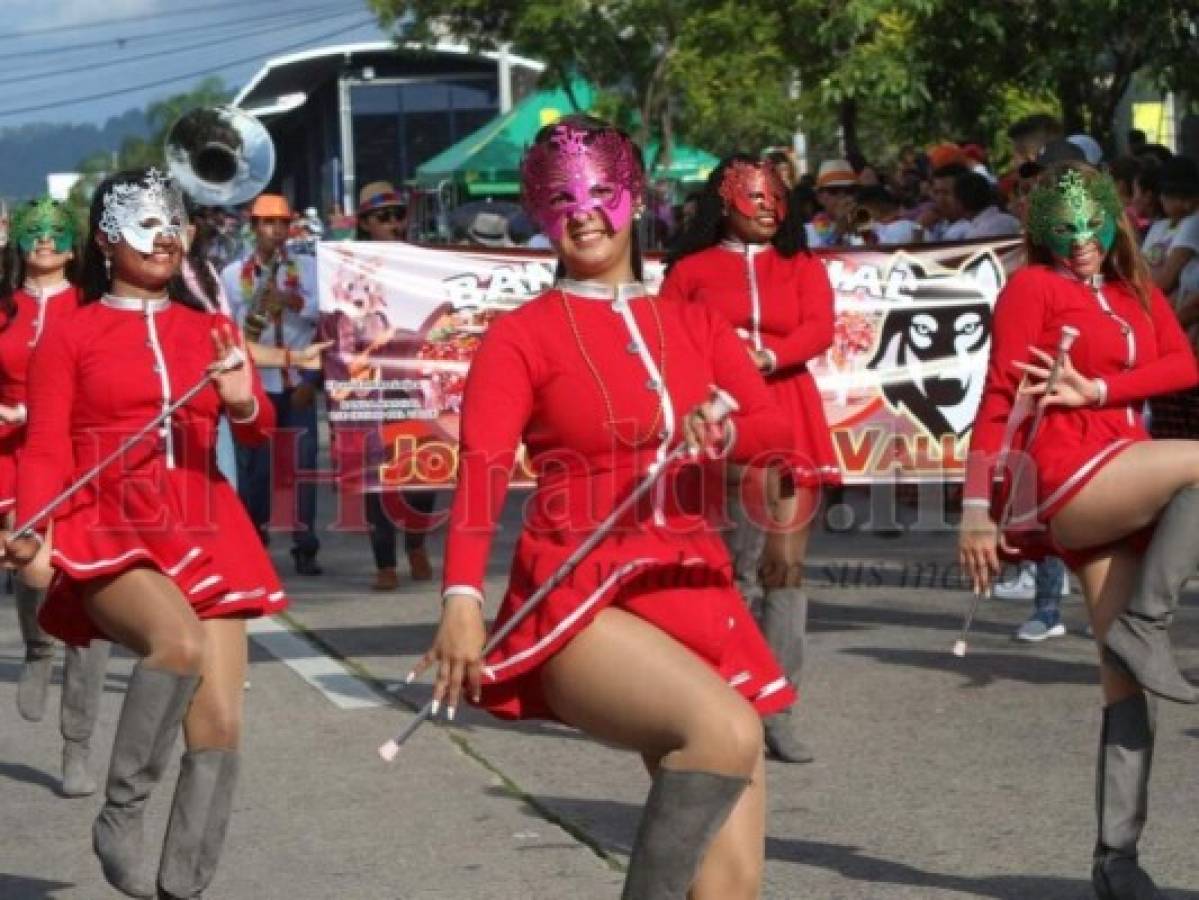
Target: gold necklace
x: 651, y: 435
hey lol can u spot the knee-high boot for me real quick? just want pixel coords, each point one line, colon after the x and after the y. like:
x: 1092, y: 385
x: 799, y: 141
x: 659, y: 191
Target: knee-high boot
x: 155, y: 704
x: 82, y: 685
x: 682, y: 814
x: 34, y: 679
x: 745, y: 542
x: 199, y: 818
x: 1122, y: 800
x: 1139, y: 638
x: 784, y: 624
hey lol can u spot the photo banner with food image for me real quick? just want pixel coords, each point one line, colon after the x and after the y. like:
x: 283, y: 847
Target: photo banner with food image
x: 900, y: 382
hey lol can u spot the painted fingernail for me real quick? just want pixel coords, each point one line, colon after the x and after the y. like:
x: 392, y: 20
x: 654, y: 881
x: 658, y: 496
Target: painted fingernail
x: 410, y: 677
x: 449, y: 712
x: 436, y: 706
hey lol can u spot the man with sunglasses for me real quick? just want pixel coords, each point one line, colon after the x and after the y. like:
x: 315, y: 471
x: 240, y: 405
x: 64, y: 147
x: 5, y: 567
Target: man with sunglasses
x: 382, y: 213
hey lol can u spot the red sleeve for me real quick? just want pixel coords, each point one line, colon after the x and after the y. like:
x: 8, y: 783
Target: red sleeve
x: 1016, y: 324
x: 496, y: 404
x: 1174, y: 369
x: 814, y: 333
x: 760, y: 426
x: 46, y: 460
x: 672, y: 286
x: 256, y: 430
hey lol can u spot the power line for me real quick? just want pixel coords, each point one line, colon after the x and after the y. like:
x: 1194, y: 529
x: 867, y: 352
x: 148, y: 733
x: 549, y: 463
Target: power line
x: 198, y: 73
x: 141, y: 17
x: 212, y: 42
x: 119, y: 41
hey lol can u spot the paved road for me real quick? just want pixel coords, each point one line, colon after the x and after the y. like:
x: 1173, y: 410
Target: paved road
x: 937, y: 778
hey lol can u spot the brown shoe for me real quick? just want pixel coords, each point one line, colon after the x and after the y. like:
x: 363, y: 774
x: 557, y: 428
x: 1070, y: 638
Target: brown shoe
x: 419, y: 565
x: 386, y: 580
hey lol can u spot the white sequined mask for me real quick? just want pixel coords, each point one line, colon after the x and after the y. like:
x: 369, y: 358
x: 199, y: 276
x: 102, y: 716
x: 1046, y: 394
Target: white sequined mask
x: 139, y: 214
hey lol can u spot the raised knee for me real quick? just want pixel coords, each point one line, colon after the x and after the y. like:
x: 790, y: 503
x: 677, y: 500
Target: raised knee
x: 181, y: 652
x: 731, y: 742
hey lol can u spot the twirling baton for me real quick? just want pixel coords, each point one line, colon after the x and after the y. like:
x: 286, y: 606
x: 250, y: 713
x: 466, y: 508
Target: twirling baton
x: 1068, y: 336
x: 723, y: 405
x: 235, y: 358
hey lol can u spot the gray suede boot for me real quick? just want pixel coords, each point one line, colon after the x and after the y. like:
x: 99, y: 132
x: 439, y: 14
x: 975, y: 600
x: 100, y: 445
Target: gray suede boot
x: 1122, y: 800
x: 199, y: 817
x: 34, y: 680
x: 155, y: 703
x: 784, y: 623
x: 1139, y: 639
x: 745, y: 542
x: 82, y: 685
x: 682, y: 814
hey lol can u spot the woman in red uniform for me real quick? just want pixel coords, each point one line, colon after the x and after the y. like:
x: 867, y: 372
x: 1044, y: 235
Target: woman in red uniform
x: 156, y: 553
x: 745, y: 259
x: 39, y: 291
x: 1123, y: 510
x: 647, y: 645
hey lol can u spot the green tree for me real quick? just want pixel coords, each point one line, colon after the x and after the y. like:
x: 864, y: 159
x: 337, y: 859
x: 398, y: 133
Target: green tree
x: 701, y: 70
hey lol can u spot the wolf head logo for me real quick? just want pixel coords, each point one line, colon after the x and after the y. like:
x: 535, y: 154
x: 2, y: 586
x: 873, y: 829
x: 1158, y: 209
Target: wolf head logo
x: 932, y: 349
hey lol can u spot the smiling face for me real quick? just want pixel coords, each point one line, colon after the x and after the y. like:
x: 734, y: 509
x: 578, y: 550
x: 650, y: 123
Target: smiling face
x: 755, y: 199
x: 1075, y: 219
x: 575, y: 172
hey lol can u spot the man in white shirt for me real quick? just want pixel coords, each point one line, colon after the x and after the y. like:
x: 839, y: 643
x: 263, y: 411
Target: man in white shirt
x: 984, y: 219
x: 273, y: 296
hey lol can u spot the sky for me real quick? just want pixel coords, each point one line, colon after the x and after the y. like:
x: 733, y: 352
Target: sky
x: 84, y: 61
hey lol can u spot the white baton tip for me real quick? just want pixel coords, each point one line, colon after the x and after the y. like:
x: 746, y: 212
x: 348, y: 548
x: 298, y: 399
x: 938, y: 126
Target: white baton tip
x: 959, y: 648
x: 389, y: 751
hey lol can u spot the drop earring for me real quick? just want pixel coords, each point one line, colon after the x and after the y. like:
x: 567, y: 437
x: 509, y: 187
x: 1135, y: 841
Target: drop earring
x: 108, y: 267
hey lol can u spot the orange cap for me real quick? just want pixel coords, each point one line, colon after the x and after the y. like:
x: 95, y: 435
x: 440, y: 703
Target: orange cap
x: 945, y: 154
x: 270, y: 206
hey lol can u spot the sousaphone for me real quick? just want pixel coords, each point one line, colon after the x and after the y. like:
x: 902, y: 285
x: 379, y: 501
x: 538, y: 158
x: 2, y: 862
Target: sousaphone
x: 220, y: 155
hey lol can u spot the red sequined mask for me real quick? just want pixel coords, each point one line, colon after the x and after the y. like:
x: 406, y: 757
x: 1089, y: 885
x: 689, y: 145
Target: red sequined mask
x: 753, y: 187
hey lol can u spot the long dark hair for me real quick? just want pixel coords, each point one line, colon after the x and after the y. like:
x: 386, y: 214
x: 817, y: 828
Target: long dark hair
x: 197, y: 260
x: 706, y: 228
x: 593, y: 126
x: 94, y: 278
x: 12, y: 276
x: 1123, y: 262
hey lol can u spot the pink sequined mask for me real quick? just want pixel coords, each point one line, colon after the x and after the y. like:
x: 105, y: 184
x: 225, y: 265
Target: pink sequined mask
x: 577, y: 171
x: 742, y: 180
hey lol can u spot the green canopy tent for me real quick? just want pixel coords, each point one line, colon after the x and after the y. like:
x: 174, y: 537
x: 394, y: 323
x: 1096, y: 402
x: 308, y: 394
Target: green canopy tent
x: 486, y: 163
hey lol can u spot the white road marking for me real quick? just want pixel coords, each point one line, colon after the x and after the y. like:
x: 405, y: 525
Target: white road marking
x: 341, y: 687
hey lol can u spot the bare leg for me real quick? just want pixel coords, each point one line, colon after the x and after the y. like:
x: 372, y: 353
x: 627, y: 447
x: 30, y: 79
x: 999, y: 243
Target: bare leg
x: 145, y: 611
x: 203, y: 800
x: 1125, y: 744
x: 784, y: 618
x: 665, y: 703
x: 1106, y: 583
x: 1143, y: 485
x: 1127, y: 494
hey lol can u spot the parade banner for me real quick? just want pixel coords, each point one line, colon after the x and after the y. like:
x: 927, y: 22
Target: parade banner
x: 900, y: 383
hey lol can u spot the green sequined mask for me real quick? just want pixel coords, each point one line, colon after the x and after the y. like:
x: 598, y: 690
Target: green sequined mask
x: 43, y: 219
x: 1074, y: 211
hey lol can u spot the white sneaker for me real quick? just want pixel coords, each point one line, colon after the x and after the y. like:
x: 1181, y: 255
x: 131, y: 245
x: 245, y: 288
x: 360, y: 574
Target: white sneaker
x: 1035, y: 630
x: 1022, y: 587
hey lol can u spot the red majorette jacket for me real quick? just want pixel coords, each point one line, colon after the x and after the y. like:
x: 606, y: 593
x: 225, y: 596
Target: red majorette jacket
x: 1136, y: 353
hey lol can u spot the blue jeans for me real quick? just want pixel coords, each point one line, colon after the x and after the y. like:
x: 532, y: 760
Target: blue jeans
x: 1050, y: 580
x: 254, y: 474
